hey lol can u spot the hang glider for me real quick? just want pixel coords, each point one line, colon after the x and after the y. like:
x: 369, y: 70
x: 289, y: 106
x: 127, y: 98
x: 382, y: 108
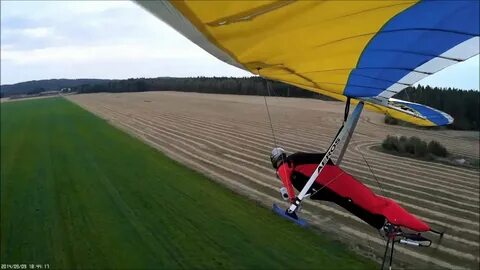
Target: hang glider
x: 367, y: 50
x: 327, y: 181
x: 361, y: 52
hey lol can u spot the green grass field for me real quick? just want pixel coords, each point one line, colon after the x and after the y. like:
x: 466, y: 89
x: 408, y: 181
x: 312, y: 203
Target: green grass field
x: 79, y: 193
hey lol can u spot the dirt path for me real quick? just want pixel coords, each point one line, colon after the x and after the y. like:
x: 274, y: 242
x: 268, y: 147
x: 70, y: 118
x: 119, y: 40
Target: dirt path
x: 229, y: 138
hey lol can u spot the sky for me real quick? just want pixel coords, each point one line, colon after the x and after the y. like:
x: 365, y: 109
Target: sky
x: 120, y: 40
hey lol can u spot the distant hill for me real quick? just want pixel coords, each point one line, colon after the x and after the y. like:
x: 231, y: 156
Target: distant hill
x: 35, y: 87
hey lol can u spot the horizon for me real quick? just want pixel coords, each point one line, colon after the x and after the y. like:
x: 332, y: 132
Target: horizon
x: 149, y: 78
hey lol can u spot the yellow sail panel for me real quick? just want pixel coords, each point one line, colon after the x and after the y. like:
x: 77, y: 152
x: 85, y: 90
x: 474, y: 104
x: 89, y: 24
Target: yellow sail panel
x: 304, y: 37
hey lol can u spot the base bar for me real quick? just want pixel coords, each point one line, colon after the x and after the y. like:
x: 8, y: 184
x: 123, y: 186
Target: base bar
x: 293, y: 218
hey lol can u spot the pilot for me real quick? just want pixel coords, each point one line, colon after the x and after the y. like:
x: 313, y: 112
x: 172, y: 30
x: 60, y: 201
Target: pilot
x: 335, y: 185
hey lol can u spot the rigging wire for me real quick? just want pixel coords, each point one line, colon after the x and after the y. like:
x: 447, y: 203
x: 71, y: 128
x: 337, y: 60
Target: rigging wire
x: 277, y: 95
x: 268, y: 110
x: 284, y: 157
x: 381, y: 191
x: 370, y: 169
x: 270, y: 121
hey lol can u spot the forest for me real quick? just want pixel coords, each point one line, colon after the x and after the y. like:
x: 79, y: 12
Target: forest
x: 462, y: 105
x: 214, y: 85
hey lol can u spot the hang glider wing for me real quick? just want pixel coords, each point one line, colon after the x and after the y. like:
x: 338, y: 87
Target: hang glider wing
x: 367, y: 50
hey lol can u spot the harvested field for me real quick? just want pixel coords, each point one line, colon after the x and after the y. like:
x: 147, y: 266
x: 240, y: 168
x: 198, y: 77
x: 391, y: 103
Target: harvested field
x: 229, y: 139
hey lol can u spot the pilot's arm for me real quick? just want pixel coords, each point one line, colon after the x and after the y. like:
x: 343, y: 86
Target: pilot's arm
x: 284, y: 172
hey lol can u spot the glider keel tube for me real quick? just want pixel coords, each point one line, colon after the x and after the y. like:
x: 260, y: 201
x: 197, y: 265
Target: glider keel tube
x: 345, y: 130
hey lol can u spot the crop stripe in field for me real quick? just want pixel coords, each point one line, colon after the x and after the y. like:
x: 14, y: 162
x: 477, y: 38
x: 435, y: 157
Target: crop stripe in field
x: 424, y: 172
x: 449, y: 141
x: 459, y: 172
x: 385, y: 165
x: 188, y: 145
x: 308, y: 128
x: 462, y: 189
x: 408, y: 161
x: 213, y: 157
x: 428, y: 166
x: 388, y: 163
x: 393, y: 179
x: 448, y: 185
x: 227, y: 149
x: 315, y: 137
x: 332, y: 118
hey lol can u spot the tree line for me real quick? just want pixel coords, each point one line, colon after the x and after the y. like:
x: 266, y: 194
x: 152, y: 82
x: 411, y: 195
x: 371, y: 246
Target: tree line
x: 213, y: 85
